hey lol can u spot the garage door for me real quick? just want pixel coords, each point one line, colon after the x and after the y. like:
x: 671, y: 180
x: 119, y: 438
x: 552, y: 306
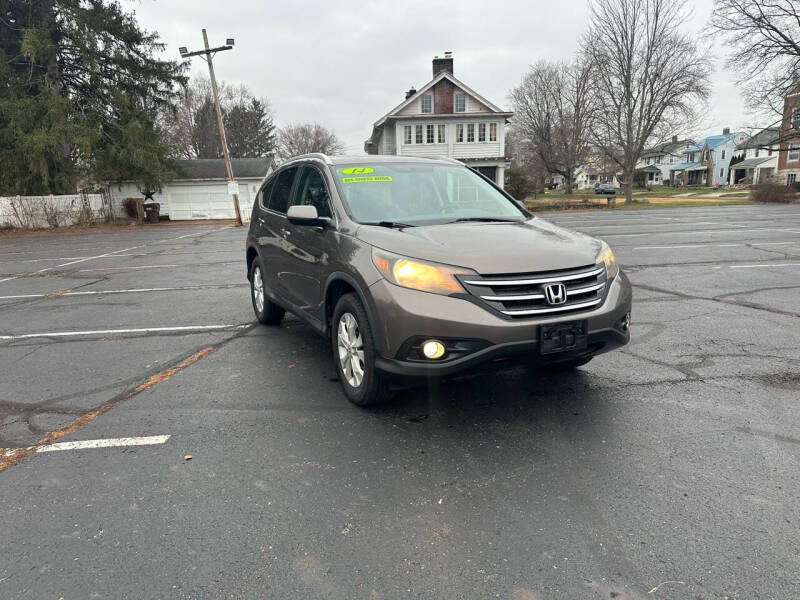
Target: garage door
x: 207, y: 201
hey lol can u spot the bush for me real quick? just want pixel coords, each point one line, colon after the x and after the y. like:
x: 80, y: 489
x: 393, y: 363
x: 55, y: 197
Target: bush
x: 131, y: 206
x: 773, y: 192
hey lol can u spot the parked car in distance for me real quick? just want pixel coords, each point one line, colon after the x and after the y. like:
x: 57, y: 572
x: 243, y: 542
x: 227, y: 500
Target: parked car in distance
x: 605, y: 188
x: 416, y: 268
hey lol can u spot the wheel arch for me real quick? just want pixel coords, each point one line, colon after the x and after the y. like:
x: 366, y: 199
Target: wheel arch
x: 252, y: 253
x: 337, y: 285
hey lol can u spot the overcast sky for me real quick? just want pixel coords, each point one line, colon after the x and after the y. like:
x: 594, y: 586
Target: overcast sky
x: 346, y: 63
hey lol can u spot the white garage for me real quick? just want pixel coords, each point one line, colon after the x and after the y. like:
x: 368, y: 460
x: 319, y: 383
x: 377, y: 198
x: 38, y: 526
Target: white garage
x: 201, y: 189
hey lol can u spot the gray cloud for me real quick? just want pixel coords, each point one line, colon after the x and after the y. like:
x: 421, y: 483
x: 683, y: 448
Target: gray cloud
x: 346, y: 63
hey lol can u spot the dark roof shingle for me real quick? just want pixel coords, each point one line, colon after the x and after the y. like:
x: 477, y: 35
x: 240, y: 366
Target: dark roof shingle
x: 214, y: 168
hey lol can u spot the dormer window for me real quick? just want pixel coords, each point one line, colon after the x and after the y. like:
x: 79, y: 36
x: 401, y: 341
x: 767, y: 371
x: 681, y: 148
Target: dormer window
x: 427, y: 103
x: 460, y: 102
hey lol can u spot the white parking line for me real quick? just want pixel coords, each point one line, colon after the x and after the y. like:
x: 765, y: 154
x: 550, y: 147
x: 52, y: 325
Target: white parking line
x: 797, y: 264
x: 125, y: 268
x: 714, y: 245
x: 106, y: 443
x: 25, y: 336
x: 698, y: 232
x: 131, y: 291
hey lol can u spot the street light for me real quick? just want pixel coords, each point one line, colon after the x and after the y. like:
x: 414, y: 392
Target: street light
x: 207, y: 54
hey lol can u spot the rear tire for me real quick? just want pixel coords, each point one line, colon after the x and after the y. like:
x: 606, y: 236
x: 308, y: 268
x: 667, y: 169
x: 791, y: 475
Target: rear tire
x: 267, y: 312
x: 354, y: 354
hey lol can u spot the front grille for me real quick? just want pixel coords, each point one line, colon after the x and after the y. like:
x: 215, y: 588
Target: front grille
x: 524, y: 295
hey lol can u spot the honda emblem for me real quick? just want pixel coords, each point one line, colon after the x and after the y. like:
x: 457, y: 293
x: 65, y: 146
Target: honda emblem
x: 555, y: 294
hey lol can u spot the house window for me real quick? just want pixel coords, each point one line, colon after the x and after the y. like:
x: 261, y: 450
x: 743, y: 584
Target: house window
x: 791, y: 178
x: 795, y: 118
x: 723, y: 154
x: 722, y: 172
x: 481, y: 132
x: 418, y: 134
x: 471, y: 132
x: 459, y: 133
x: 756, y: 153
x: 407, y: 134
x: 427, y: 103
x: 794, y: 152
x: 442, y: 136
x: 460, y: 102
x: 492, y: 132
x: 428, y: 134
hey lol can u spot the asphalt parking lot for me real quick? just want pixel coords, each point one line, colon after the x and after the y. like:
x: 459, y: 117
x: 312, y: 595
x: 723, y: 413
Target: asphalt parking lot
x: 666, y: 470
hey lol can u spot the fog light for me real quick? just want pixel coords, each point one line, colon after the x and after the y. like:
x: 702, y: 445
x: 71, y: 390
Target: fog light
x: 626, y: 322
x: 433, y: 349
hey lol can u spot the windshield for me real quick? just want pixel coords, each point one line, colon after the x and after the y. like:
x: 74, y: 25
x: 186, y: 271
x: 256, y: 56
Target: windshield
x: 421, y: 194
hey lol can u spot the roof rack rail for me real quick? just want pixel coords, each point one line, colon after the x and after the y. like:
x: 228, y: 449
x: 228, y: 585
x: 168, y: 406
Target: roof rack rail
x: 444, y: 158
x: 318, y: 155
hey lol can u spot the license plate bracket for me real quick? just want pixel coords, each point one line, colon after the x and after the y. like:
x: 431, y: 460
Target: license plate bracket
x: 563, y: 337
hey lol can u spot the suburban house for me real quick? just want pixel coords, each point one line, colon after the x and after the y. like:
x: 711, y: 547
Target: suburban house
x: 657, y: 161
x: 445, y: 118
x: 594, y: 171
x: 706, y: 162
x: 756, y: 158
x: 789, y: 155
x: 200, y: 191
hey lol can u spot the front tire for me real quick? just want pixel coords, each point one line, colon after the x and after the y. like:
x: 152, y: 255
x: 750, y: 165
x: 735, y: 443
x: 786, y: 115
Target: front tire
x: 354, y: 354
x: 267, y: 312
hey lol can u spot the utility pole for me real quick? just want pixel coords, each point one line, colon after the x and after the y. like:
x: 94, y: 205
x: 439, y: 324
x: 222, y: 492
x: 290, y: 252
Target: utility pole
x: 208, y: 56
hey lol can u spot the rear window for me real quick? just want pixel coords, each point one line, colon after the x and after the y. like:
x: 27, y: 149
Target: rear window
x: 279, y: 200
x: 420, y: 193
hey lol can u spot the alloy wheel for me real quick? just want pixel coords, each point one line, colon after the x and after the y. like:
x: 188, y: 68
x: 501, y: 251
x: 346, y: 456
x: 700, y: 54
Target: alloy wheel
x: 351, y: 350
x: 258, y: 290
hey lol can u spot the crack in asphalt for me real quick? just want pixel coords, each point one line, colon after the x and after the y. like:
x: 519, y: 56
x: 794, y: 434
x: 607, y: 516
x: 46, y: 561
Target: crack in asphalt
x: 145, y: 381
x: 720, y: 299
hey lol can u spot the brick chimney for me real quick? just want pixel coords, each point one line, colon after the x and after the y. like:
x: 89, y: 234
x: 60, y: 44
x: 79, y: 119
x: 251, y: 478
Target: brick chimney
x: 726, y: 131
x: 444, y: 63
x: 410, y: 93
x: 674, y: 139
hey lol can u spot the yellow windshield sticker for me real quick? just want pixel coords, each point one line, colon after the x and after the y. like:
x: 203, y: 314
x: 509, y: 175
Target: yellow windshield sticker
x: 367, y: 178
x: 357, y: 170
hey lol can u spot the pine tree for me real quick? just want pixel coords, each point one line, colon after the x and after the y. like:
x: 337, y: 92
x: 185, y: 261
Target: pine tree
x: 80, y: 87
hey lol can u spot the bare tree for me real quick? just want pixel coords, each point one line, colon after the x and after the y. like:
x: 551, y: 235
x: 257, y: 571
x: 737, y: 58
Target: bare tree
x: 552, y: 106
x: 764, y: 37
x: 302, y: 138
x: 649, y: 78
x: 193, y: 128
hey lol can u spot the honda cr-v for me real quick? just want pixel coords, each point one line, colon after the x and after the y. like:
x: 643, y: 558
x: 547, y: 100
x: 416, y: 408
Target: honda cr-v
x: 417, y: 268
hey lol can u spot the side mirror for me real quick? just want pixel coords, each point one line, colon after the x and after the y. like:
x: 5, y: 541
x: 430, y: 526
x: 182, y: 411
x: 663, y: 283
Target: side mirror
x: 306, y: 215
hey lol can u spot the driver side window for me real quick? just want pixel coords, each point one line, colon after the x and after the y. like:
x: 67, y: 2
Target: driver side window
x: 312, y: 191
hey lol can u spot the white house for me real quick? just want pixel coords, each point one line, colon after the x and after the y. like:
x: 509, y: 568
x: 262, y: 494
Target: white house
x: 706, y: 163
x: 200, y: 191
x: 757, y: 157
x: 445, y: 118
x: 657, y: 161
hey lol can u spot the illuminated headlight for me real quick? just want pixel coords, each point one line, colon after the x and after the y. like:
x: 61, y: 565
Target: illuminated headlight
x: 606, y: 257
x: 423, y: 276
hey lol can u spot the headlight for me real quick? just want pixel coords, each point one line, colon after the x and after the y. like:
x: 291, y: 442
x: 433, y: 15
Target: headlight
x: 606, y: 256
x: 427, y: 277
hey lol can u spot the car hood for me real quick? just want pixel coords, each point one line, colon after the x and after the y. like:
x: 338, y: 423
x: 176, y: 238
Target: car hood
x: 489, y: 248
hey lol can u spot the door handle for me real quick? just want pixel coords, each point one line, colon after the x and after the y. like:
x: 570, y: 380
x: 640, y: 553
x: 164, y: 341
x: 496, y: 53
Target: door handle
x: 286, y: 232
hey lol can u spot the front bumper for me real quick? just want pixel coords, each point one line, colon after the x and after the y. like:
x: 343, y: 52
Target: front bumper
x: 400, y: 314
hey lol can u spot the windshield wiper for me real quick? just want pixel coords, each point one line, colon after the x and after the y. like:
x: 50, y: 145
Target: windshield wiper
x: 390, y: 224
x: 485, y: 220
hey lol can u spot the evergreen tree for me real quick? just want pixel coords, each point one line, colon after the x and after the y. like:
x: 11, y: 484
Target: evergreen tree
x: 80, y: 87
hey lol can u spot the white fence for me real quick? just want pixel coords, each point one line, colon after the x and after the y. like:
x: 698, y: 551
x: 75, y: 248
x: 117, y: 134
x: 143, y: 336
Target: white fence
x: 35, y: 212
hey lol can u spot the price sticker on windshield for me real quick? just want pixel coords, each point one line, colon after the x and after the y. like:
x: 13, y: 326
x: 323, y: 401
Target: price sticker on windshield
x: 366, y: 178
